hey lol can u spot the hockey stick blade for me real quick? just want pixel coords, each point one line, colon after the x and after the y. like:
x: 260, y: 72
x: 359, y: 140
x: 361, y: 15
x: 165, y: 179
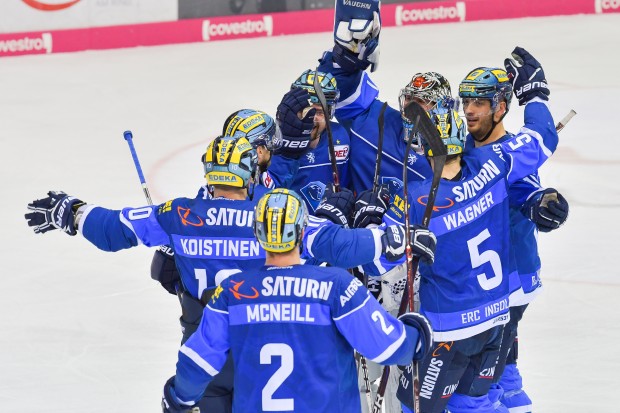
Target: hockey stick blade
x: 328, y: 127
x: 427, y: 128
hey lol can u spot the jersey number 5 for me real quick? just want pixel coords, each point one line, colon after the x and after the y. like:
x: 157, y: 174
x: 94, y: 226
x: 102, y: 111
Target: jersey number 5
x: 286, y: 368
x: 478, y: 258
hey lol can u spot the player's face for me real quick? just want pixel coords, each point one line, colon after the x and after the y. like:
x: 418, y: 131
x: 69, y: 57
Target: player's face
x: 479, y: 116
x: 264, y: 157
x: 319, y: 125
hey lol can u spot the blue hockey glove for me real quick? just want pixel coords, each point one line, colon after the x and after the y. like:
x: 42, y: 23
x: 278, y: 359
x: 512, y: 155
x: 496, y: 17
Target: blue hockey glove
x: 425, y: 342
x: 169, y: 401
x: 371, y: 206
x: 164, y: 269
x: 527, y: 76
x: 296, y: 130
x: 336, y: 206
x: 423, y: 243
x: 357, y: 26
x: 550, y: 210
x: 55, y: 211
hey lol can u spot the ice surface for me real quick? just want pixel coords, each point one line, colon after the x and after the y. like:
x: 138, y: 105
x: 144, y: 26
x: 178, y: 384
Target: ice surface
x: 89, y: 331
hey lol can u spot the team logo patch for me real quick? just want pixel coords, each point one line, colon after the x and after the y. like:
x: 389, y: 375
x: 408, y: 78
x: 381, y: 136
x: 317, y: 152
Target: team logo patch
x: 187, y: 220
x: 449, y: 203
x: 246, y: 294
x: 313, y: 193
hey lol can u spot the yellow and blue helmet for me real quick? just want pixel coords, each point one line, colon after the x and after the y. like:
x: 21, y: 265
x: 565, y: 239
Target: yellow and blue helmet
x: 490, y: 83
x: 328, y: 86
x: 258, y: 127
x: 280, y: 217
x: 230, y: 161
x: 451, y: 129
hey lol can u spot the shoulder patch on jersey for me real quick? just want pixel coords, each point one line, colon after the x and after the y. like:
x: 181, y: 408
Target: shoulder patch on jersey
x: 216, y: 294
x: 354, y: 285
x: 165, y: 207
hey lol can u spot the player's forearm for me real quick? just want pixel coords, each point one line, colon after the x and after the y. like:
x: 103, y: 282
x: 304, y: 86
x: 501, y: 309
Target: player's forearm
x: 104, y: 229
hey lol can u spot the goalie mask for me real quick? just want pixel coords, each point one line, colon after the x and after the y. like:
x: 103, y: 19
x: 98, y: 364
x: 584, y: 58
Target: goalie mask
x: 279, y: 220
x: 328, y: 86
x: 230, y: 161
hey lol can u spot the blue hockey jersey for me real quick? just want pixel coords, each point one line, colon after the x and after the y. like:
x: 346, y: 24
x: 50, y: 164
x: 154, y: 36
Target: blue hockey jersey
x: 213, y: 238
x: 358, y: 110
x: 315, y: 166
x: 291, y: 331
x: 466, y: 290
x: 523, y: 236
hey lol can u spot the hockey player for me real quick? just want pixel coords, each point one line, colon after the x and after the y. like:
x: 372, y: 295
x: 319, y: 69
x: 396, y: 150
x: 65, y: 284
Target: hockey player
x: 315, y: 168
x: 211, y: 237
x: 356, y: 47
x: 465, y: 292
x: 486, y: 101
x: 277, y: 321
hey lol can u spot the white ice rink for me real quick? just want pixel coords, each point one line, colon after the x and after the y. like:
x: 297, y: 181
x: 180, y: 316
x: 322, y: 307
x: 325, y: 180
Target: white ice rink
x: 83, y: 330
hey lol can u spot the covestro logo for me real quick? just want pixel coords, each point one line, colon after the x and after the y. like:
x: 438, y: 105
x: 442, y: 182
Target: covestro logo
x: 245, y: 28
x: 607, y: 6
x: 50, y: 5
x: 26, y: 44
x: 417, y: 13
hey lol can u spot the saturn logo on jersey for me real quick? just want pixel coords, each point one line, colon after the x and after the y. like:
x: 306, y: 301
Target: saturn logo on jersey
x: 447, y: 345
x: 195, y: 221
x: 235, y: 291
x: 436, y: 208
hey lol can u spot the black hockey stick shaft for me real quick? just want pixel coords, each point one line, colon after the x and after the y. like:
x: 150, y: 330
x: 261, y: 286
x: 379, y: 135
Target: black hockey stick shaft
x: 381, y: 125
x: 328, y: 128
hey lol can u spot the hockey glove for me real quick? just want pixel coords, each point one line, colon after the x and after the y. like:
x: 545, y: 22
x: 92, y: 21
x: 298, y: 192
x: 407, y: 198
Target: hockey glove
x: 425, y: 342
x: 527, y: 76
x: 56, y: 211
x: 164, y: 269
x: 550, y: 211
x: 169, y: 402
x: 356, y: 34
x: 423, y: 243
x: 296, y: 130
x: 370, y: 207
x: 336, y: 206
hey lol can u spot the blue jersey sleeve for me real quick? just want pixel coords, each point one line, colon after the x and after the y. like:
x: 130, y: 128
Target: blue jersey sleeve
x: 281, y: 173
x: 112, y: 230
x: 520, y: 192
x: 370, y: 329
x: 338, y: 246
x: 533, y: 145
x: 204, y: 353
x: 357, y: 90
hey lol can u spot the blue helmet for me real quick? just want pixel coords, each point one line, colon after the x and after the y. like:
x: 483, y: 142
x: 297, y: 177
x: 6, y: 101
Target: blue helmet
x: 328, y: 86
x: 280, y: 217
x: 259, y: 128
x: 490, y: 83
x: 451, y: 129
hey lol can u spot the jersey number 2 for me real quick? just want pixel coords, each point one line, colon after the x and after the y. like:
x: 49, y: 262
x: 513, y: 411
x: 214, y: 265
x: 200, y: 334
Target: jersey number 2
x: 286, y: 368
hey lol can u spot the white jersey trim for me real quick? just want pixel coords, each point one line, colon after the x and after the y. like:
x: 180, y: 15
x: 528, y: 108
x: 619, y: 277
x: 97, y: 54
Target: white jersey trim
x: 352, y: 311
x: 376, y: 235
x: 391, y: 349
x: 464, y: 333
x: 195, y: 357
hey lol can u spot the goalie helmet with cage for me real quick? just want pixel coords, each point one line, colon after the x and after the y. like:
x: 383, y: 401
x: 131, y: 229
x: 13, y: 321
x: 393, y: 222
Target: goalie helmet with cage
x: 230, y: 161
x: 280, y: 217
x: 491, y: 83
x: 259, y: 128
x: 451, y: 129
x: 328, y: 86
x: 429, y: 89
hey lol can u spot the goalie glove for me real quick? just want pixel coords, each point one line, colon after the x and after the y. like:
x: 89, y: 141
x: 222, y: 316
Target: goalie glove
x: 357, y: 26
x: 57, y: 211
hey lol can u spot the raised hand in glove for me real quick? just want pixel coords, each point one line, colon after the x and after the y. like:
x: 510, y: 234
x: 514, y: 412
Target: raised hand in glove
x: 356, y: 34
x: 549, y: 211
x: 56, y: 211
x: 370, y: 207
x: 169, y: 401
x: 336, y: 206
x: 423, y: 243
x: 425, y: 333
x: 295, y: 123
x: 527, y: 76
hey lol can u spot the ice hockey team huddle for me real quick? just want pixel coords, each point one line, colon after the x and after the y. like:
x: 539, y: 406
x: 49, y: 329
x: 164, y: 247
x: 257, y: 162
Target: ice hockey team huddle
x: 348, y: 256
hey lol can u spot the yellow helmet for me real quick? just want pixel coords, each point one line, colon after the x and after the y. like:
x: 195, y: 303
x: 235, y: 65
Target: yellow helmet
x: 230, y: 161
x: 279, y: 219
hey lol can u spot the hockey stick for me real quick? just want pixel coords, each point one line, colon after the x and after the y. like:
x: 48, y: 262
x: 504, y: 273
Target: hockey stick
x: 380, y: 121
x: 129, y: 138
x: 330, y: 137
x: 438, y: 151
x: 560, y: 125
